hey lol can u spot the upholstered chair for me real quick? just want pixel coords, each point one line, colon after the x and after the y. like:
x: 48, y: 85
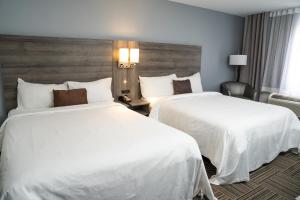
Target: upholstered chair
x: 237, y: 89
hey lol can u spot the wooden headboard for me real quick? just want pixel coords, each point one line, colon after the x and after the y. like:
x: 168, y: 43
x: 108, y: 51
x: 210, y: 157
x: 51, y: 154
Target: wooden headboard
x: 158, y: 59
x: 51, y: 60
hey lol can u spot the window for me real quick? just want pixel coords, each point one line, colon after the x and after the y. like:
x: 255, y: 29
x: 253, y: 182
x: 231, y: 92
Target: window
x: 290, y: 84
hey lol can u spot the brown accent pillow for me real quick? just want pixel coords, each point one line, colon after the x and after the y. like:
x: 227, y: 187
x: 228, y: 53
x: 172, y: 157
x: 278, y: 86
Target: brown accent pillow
x: 182, y: 86
x: 69, y: 97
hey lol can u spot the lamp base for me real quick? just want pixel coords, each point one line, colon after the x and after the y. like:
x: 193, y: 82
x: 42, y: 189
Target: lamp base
x: 238, y: 73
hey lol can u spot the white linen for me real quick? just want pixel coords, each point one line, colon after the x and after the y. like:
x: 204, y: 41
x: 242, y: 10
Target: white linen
x: 97, y: 91
x: 237, y: 135
x: 195, y: 80
x: 158, y: 86
x: 35, y: 95
x: 98, y: 151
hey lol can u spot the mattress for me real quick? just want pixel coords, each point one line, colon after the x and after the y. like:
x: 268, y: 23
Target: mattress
x: 98, y: 151
x: 237, y: 135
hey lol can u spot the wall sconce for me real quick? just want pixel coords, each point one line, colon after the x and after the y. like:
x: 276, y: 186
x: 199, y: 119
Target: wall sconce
x: 123, y: 57
x: 128, y: 58
x: 134, y: 56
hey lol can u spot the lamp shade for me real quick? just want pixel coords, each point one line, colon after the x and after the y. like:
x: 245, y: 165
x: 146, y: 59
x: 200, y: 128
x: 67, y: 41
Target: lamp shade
x: 134, y: 55
x: 123, y: 55
x: 238, y: 60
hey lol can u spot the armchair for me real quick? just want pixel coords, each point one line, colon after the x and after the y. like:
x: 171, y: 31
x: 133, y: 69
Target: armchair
x: 237, y: 89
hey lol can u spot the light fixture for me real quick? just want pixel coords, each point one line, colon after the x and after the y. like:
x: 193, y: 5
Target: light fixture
x: 123, y: 57
x: 128, y: 58
x: 134, y: 56
x: 238, y: 60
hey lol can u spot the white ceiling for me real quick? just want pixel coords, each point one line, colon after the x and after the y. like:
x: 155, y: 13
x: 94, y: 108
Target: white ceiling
x: 241, y: 7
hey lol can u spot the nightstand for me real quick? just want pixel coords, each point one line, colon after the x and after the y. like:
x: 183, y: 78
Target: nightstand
x: 141, y: 106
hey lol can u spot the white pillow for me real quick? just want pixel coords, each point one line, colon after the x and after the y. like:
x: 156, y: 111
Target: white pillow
x: 195, y: 82
x: 97, y: 91
x: 157, y: 86
x: 35, y: 95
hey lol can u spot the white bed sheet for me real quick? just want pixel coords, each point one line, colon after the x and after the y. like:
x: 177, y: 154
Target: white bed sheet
x: 98, y: 151
x: 237, y: 135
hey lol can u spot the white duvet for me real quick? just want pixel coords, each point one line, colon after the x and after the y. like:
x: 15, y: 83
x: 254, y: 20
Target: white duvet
x: 102, y: 151
x: 238, y: 136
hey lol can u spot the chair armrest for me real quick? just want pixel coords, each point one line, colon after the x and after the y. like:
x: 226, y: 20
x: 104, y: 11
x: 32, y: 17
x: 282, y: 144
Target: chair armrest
x: 249, y: 92
x: 224, y: 90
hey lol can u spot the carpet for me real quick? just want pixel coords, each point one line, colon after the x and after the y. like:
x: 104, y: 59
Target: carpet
x: 278, y: 180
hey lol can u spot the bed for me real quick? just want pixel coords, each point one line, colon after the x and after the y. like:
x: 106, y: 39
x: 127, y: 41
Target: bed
x: 237, y: 135
x: 100, y: 150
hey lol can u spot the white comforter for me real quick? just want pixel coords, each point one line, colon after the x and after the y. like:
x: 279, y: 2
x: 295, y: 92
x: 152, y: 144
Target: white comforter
x: 237, y: 135
x: 103, y: 152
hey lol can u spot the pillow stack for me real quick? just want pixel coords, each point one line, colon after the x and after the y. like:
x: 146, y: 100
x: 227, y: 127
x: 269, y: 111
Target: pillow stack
x: 34, y: 95
x: 195, y: 82
x: 163, y: 86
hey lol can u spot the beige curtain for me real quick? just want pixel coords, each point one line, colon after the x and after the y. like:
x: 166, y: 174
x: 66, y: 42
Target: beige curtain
x: 255, y: 43
x: 266, y: 39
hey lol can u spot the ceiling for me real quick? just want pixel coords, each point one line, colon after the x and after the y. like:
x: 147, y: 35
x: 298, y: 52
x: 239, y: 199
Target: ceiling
x: 241, y: 7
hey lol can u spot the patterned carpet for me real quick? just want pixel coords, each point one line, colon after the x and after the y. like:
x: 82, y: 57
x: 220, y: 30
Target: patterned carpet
x: 278, y: 180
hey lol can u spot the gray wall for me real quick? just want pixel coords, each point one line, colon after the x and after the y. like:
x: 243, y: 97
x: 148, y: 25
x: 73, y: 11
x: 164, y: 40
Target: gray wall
x: 149, y: 20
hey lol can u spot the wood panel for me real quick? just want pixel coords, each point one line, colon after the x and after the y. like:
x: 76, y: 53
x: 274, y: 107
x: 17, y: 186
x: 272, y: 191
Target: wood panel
x: 52, y: 60
x: 163, y: 59
x: 159, y: 59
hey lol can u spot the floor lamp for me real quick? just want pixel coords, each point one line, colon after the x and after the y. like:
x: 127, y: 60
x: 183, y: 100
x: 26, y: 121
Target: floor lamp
x: 238, y: 61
